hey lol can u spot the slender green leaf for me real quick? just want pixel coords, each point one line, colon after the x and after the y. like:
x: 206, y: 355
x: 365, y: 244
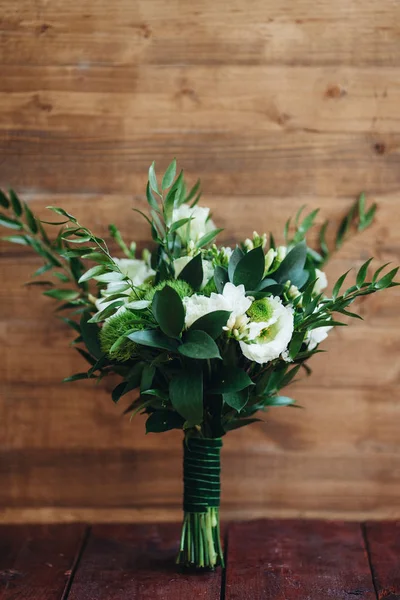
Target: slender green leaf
x: 10, y: 223
x: 208, y: 238
x: 4, y: 201
x: 153, y: 178
x: 169, y: 175
x: 15, y: 203
x: 60, y: 294
x: 362, y: 273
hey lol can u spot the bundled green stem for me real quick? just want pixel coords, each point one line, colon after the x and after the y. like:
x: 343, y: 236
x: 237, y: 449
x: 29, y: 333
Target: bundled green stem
x: 200, y: 540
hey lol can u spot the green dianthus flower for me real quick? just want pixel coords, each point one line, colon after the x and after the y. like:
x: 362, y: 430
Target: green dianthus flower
x: 114, y: 328
x: 260, y: 310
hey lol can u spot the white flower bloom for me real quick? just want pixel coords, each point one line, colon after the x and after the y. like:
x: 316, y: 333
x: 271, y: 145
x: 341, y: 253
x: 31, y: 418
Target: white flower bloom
x: 248, y: 244
x: 269, y: 338
x: 316, y: 336
x: 198, y: 226
x: 232, y: 299
x: 321, y: 282
x: 281, y: 252
x: 269, y: 259
x: 226, y: 251
x: 137, y: 270
x: 208, y: 269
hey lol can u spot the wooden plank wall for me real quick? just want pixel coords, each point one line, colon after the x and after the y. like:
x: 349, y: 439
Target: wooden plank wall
x: 274, y: 103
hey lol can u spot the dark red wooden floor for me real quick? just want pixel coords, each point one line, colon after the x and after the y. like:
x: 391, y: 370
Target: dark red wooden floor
x: 280, y: 560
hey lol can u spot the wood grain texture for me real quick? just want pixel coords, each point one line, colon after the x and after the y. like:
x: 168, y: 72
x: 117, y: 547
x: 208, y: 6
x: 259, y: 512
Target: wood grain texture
x: 383, y: 542
x: 138, y: 562
x: 37, y: 561
x: 275, y: 104
x: 293, y: 560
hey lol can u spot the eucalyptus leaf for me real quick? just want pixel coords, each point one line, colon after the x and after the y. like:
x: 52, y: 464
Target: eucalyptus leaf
x: 237, y: 400
x: 169, y: 175
x: 220, y: 278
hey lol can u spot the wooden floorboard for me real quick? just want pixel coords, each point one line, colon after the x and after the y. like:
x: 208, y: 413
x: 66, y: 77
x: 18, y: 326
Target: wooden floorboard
x: 37, y: 561
x: 138, y: 562
x: 297, y: 560
x: 383, y: 542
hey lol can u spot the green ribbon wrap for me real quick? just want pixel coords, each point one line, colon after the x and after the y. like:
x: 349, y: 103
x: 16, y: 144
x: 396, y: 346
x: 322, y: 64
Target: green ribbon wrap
x: 201, y: 474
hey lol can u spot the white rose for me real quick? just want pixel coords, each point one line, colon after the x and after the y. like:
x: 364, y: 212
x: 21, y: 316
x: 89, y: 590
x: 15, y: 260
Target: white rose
x: 208, y: 269
x: 232, y: 299
x: 198, y: 226
x: 269, y: 338
x: 321, y: 282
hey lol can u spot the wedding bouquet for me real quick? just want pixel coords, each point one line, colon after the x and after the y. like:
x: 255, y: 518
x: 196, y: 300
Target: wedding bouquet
x: 203, y: 337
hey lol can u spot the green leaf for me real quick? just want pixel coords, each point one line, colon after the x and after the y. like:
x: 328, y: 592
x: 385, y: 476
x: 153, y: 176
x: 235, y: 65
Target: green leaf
x: 10, y: 223
x: 93, y: 272
x: 280, y: 401
x: 177, y: 224
x: 208, y: 238
x: 154, y: 339
x: 212, y: 323
x: 163, y: 420
x: 98, y: 257
x: 62, y: 294
x: 345, y: 226
x: 30, y: 219
x: 295, y: 343
x: 237, y: 400
x: 193, y: 273
x: 148, y: 374
x: 238, y: 423
x: 153, y: 178
x: 220, y: 278
x: 228, y: 380
x: 305, y: 225
x: 386, y: 280
x: 169, y: 175
x: 186, y: 394
x: 198, y: 344
x: 61, y: 211
x: 362, y: 273
x: 338, y: 284
x: 15, y: 203
x: 76, y: 377
x: 151, y: 199
x: 235, y: 258
x: 292, y: 267
x: 322, y: 240
x: 4, y: 202
x: 16, y: 239
x: 169, y: 312
x: 368, y: 218
x: 193, y: 191
x: 379, y: 271
x: 250, y: 269
x: 90, y: 333
x: 73, y: 324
